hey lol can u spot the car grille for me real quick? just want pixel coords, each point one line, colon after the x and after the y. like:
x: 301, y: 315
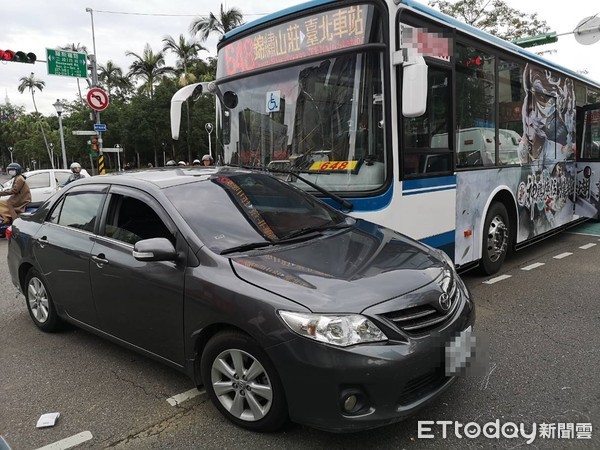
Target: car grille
x: 421, y: 319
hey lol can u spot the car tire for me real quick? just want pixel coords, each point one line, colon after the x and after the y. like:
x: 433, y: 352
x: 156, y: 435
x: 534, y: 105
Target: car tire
x: 39, y: 302
x: 496, y: 239
x: 254, y: 401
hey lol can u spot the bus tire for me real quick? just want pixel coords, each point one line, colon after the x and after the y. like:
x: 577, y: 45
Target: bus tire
x: 496, y: 237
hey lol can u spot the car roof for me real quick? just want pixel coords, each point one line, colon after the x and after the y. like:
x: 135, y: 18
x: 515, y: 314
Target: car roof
x: 33, y: 172
x: 164, y: 177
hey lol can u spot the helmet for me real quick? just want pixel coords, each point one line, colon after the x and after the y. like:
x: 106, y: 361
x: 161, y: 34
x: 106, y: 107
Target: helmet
x: 196, y: 162
x: 16, y: 167
x: 207, y: 158
x: 171, y: 163
x: 181, y: 163
x: 75, y: 165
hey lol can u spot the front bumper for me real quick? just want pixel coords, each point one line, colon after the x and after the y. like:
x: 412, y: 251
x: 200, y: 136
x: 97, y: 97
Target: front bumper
x: 392, y: 379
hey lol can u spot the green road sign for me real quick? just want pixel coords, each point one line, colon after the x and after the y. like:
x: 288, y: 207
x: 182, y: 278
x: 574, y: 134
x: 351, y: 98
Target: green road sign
x: 67, y: 64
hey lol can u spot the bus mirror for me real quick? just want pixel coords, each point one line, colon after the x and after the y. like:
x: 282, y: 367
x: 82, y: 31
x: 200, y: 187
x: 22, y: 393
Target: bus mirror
x: 414, y: 88
x: 193, y: 90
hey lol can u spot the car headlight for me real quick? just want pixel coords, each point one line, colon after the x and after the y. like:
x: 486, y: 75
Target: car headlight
x: 340, y: 330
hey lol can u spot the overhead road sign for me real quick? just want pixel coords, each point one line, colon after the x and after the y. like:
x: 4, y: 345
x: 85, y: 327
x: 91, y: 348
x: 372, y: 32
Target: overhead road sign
x: 84, y: 133
x: 97, y: 99
x: 100, y: 126
x: 66, y: 64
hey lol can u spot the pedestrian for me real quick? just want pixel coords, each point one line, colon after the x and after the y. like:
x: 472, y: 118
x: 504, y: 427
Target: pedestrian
x: 20, y: 195
x: 207, y: 160
x: 76, y: 175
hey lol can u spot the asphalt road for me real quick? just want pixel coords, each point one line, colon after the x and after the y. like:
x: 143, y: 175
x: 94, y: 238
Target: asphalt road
x: 542, y: 327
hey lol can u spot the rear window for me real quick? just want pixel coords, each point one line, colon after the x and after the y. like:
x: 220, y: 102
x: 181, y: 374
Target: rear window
x: 240, y: 208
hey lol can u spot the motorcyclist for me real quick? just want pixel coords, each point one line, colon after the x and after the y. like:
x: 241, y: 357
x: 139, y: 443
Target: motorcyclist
x: 19, y: 192
x: 76, y: 175
x: 207, y: 160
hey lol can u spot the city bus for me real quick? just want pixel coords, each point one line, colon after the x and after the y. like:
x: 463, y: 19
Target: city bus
x: 423, y: 124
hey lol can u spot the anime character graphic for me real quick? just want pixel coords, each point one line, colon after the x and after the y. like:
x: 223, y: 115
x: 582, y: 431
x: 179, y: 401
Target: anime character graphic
x: 548, y: 115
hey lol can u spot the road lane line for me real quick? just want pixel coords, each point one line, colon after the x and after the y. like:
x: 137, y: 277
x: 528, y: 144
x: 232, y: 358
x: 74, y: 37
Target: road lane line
x: 586, y: 246
x: 532, y: 266
x: 495, y: 280
x: 69, y: 442
x: 179, y: 398
x: 562, y: 255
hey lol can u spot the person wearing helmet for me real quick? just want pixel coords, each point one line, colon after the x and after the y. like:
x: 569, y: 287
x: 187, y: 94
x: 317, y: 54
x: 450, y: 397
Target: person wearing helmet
x: 207, y: 160
x: 182, y: 163
x: 196, y: 162
x: 19, y: 192
x: 76, y: 175
x: 171, y: 163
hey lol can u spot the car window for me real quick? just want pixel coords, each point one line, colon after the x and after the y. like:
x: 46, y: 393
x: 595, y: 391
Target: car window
x: 78, y: 211
x: 38, y: 180
x: 61, y: 177
x: 130, y: 220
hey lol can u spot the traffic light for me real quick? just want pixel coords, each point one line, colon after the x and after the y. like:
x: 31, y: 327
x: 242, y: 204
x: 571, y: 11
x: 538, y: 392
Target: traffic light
x: 93, y: 143
x: 21, y: 57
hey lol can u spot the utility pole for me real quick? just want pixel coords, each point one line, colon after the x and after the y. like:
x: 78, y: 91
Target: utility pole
x: 94, y: 70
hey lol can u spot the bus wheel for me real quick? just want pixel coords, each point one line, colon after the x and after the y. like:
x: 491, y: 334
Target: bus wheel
x: 496, y: 239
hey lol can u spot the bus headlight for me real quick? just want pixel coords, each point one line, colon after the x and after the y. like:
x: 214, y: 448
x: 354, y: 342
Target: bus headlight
x: 340, y: 330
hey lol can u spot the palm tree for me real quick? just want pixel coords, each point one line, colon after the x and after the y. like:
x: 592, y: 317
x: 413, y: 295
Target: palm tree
x: 150, y: 66
x: 184, y: 50
x: 77, y: 48
x: 32, y: 83
x: 227, y: 21
x: 109, y: 74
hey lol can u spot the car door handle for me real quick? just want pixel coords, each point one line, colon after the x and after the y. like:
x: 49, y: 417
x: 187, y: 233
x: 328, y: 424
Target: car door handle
x: 42, y: 241
x: 100, y: 260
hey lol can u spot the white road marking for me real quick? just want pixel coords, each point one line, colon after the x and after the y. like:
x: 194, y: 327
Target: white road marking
x: 495, y: 280
x: 69, y: 442
x: 586, y: 246
x: 532, y: 266
x: 562, y: 255
x: 179, y: 398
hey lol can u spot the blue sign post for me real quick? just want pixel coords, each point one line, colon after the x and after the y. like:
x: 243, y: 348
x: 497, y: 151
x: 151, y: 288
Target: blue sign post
x: 100, y: 127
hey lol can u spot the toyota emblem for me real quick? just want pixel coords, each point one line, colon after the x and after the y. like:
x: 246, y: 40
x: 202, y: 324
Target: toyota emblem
x: 444, y: 301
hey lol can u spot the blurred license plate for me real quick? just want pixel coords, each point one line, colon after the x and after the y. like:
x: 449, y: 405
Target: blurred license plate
x: 460, y: 352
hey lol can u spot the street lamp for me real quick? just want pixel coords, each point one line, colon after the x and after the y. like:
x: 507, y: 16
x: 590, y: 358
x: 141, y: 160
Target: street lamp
x: 59, y: 109
x: 10, y: 149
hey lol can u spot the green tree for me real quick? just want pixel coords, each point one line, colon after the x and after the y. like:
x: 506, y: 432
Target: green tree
x: 150, y: 67
x: 494, y: 17
x: 227, y: 21
x: 110, y: 75
x: 32, y: 83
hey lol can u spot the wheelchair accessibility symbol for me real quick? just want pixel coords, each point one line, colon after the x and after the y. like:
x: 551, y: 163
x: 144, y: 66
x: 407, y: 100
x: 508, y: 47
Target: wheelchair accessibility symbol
x: 273, y: 101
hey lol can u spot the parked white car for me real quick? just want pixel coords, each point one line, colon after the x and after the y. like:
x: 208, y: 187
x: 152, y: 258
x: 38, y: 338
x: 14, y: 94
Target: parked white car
x: 45, y: 182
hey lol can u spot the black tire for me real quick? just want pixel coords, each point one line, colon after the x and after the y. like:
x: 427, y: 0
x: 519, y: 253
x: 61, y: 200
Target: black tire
x: 39, y: 302
x: 257, y: 402
x: 496, y: 239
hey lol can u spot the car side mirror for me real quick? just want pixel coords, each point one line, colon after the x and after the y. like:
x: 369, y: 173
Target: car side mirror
x: 155, y: 249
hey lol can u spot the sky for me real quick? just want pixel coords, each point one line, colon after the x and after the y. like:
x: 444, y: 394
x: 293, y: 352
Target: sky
x: 127, y: 25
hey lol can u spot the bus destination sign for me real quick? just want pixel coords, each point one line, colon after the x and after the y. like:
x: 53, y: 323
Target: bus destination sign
x: 308, y: 36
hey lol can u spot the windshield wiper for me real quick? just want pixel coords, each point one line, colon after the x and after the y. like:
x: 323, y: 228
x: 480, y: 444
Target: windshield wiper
x: 345, y: 203
x: 246, y: 247
x: 309, y: 230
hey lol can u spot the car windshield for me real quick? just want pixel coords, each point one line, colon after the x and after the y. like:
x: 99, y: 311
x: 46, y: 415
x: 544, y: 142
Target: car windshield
x: 243, y: 210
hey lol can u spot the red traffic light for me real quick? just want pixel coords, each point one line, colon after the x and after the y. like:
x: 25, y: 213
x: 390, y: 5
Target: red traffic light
x: 22, y: 57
